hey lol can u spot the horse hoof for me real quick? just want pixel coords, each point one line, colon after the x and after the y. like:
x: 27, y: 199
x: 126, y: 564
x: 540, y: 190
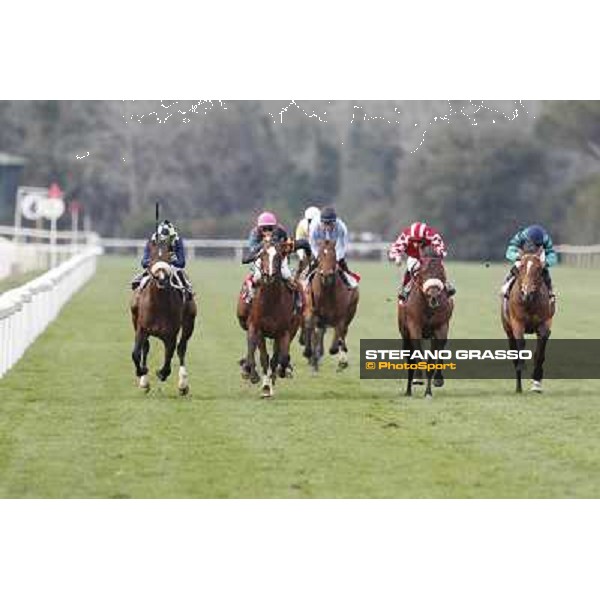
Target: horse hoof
x: 307, y: 353
x: 245, y: 375
x: 184, y: 391
x: 162, y: 376
x: 333, y: 351
x: 536, y: 387
x: 342, y: 367
x: 254, y: 378
x: 267, y: 392
x: 438, y: 383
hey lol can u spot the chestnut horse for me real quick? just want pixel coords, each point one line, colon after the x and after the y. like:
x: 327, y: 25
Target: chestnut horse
x: 529, y: 310
x: 329, y: 303
x: 426, y: 314
x: 271, y: 316
x: 160, y: 310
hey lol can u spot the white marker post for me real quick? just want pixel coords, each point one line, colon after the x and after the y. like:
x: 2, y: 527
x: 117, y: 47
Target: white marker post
x: 53, y: 211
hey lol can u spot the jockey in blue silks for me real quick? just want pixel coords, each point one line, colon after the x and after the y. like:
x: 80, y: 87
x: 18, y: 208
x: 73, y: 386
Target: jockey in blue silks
x: 330, y: 227
x: 530, y: 239
x: 166, y: 233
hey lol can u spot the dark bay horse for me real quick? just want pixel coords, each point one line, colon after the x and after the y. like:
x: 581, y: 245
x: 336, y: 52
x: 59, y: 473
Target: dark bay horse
x: 426, y: 314
x: 528, y: 310
x: 329, y: 303
x: 271, y: 316
x: 160, y: 310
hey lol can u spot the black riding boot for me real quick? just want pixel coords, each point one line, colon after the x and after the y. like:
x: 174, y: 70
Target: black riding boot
x: 548, y: 281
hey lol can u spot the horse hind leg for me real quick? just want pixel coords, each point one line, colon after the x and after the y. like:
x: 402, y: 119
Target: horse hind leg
x: 341, y: 332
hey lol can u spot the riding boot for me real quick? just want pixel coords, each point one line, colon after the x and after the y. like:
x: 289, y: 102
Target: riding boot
x: 137, y: 280
x: 187, y: 284
x: 293, y: 286
x: 508, y: 281
x: 403, y: 292
x: 548, y: 282
x: 347, y: 275
x: 248, y: 290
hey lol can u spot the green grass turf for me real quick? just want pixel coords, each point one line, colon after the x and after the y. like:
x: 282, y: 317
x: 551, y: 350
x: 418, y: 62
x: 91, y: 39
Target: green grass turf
x: 74, y: 424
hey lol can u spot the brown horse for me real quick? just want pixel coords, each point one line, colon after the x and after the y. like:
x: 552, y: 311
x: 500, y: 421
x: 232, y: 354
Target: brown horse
x: 329, y: 303
x: 528, y: 310
x: 271, y: 316
x: 160, y: 310
x: 426, y: 314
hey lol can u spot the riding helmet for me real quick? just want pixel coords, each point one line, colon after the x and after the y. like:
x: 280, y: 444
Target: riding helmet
x: 312, y: 213
x: 328, y: 215
x: 536, y: 234
x: 266, y: 219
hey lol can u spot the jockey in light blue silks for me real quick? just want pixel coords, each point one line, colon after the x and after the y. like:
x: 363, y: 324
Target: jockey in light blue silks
x: 330, y: 227
x: 166, y: 232
x: 530, y: 239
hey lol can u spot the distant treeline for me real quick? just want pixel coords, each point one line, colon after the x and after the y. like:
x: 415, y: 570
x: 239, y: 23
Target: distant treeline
x: 475, y: 170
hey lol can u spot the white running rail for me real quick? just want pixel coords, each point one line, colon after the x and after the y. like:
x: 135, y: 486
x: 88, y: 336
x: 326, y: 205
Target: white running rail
x: 27, y: 310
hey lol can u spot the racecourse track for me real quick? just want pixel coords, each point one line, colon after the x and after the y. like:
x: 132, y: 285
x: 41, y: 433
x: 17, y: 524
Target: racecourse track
x: 74, y: 424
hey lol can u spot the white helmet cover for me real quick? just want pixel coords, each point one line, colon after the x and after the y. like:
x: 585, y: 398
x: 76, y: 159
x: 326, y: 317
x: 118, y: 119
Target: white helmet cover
x: 312, y: 213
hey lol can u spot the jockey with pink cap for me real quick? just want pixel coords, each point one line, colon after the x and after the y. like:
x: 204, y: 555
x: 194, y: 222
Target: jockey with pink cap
x: 265, y: 224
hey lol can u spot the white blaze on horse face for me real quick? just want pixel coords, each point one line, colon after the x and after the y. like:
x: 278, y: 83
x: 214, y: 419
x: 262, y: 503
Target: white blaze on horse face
x: 271, y: 252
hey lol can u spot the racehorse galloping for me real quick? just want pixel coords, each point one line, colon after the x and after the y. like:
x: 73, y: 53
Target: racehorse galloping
x: 160, y: 310
x: 329, y: 303
x: 529, y: 310
x: 272, y: 316
x: 426, y: 314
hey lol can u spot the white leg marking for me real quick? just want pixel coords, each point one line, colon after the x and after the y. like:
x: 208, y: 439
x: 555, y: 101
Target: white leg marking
x: 536, y: 386
x: 144, y: 381
x: 183, y: 378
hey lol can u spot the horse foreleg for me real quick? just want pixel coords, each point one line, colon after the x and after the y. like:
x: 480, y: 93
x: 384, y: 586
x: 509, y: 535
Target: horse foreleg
x: 539, y: 357
x: 317, y: 347
x: 439, y: 343
x: 169, y: 343
x: 519, y: 344
x: 308, y: 330
x: 283, y: 346
x: 341, y: 330
x: 267, y: 385
x: 407, y: 345
x: 137, y: 355
x: 145, y: 352
x: 250, y: 366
